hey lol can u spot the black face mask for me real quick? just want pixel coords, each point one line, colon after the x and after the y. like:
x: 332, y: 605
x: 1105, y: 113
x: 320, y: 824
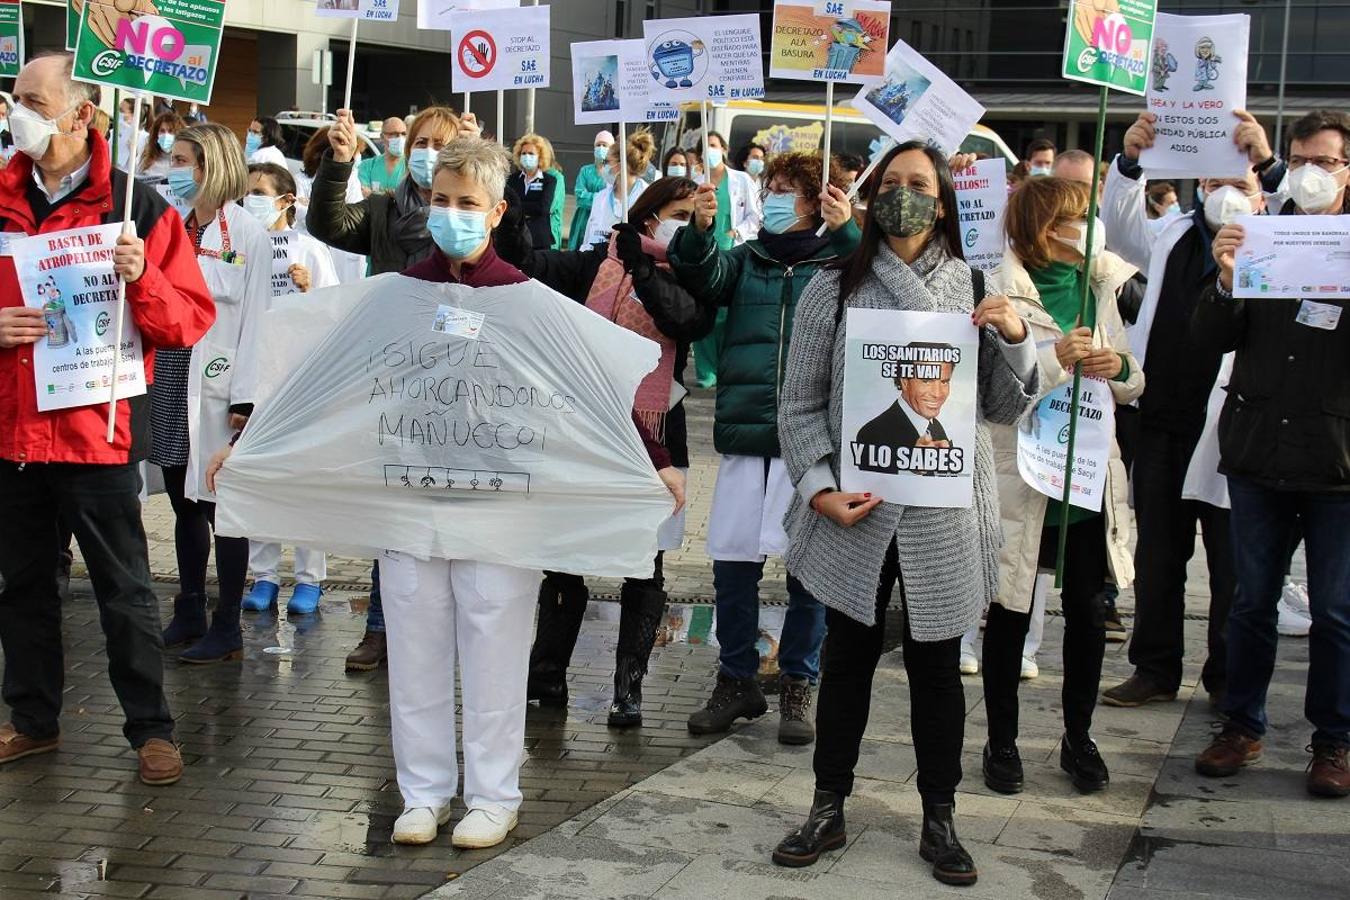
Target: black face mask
x: 904, y: 212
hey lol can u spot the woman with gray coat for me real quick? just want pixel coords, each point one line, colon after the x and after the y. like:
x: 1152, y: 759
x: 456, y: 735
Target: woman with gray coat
x: 850, y: 550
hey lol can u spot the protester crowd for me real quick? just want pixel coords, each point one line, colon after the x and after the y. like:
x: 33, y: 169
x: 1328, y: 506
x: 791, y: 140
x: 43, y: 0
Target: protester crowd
x: 1231, y: 415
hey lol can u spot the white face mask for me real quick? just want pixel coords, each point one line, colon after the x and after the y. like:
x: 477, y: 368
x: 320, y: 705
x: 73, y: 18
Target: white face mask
x: 32, y: 133
x: 1312, y: 188
x: 665, y: 230
x: 262, y: 208
x: 1079, y: 243
x: 1224, y: 204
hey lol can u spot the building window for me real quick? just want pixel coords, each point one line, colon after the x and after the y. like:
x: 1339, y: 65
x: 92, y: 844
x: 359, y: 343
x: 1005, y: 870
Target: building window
x: 935, y: 40
x: 915, y: 34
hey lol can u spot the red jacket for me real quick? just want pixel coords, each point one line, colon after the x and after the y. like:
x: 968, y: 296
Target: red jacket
x: 169, y: 304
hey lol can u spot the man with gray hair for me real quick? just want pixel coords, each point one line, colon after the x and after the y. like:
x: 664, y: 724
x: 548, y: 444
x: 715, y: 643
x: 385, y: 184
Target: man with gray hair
x: 57, y: 466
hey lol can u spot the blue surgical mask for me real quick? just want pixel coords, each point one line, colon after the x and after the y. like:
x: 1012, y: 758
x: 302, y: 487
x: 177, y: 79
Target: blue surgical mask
x: 780, y: 212
x: 676, y: 171
x: 458, y: 232
x: 182, y: 183
x: 165, y: 141
x: 419, y: 166
x: 252, y: 143
x: 713, y: 157
x: 1173, y: 210
x: 262, y: 208
x: 529, y: 161
x: 601, y: 152
x: 1039, y: 170
x: 754, y: 166
x: 395, y: 145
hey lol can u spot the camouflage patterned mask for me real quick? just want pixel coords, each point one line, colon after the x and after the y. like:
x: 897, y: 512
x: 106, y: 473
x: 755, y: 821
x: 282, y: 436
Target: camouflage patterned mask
x: 904, y: 212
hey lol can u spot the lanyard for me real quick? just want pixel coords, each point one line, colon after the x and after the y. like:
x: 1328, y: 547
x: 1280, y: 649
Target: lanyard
x: 224, y: 254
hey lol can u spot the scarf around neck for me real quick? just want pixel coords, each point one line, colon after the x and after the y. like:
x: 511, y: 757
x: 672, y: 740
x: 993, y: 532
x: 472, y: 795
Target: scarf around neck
x: 791, y: 247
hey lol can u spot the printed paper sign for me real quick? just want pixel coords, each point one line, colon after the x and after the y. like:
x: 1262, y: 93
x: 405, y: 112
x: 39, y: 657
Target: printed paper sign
x: 500, y: 49
x: 704, y: 58
x: 1043, y: 443
x: 909, y: 406
x: 915, y: 100
x: 981, y: 196
x: 597, y: 82
x: 841, y: 40
x: 69, y: 276
x: 1293, y: 257
x: 366, y: 10
x: 1107, y: 43
x: 284, y: 245
x: 1197, y: 77
x: 435, y: 15
x: 11, y: 38
x: 166, y: 47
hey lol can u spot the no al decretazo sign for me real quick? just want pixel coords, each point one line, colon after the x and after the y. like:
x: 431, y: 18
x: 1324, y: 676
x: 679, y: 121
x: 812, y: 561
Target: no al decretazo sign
x: 165, y: 47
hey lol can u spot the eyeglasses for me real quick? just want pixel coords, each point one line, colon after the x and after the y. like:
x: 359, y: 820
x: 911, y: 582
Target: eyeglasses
x: 765, y: 193
x: 1327, y: 163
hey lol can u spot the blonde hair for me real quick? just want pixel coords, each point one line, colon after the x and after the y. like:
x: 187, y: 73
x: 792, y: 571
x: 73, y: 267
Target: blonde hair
x: 1038, y: 205
x: 486, y: 163
x: 436, y: 118
x: 224, y: 178
x: 641, y: 149
x: 546, y: 159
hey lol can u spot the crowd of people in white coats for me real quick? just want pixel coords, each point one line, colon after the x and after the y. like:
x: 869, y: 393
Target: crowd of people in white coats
x: 1233, y: 415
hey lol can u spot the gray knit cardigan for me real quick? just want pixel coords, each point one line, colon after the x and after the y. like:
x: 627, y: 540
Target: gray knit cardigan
x: 948, y: 557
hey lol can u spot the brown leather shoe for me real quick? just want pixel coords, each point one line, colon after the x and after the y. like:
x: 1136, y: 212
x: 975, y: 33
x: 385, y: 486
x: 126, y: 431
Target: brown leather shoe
x: 1230, y: 750
x: 1329, y: 772
x: 369, y: 654
x: 14, y: 745
x: 160, y: 761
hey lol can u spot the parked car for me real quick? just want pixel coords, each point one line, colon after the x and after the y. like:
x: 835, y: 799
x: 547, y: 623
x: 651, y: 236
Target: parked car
x: 298, y: 127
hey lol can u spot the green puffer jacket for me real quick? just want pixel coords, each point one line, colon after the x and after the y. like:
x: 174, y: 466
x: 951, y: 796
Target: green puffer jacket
x: 762, y: 295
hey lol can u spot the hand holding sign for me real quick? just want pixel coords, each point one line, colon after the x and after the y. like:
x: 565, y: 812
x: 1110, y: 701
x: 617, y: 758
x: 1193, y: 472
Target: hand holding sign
x: 705, y: 206
x: 21, y: 325
x: 1226, y: 245
x: 1140, y: 136
x: 834, y: 207
x: 342, y: 137
x: 129, y: 257
x: 999, y: 311
x: 1251, y: 137
x: 1073, y: 347
x: 843, y: 508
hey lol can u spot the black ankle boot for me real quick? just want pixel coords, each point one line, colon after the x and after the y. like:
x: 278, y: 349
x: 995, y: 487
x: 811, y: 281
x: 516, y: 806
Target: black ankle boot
x: 562, y: 604
x: 1003, y: 769
x: 941, y: 847
x: 642, y: 606
x: 823, y: 830
x: 1078, y: 755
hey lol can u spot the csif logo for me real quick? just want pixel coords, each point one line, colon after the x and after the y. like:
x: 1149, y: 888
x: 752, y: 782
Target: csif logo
x: 972, y: 236
x: 1064, y: 435
x: 1087, y: 59
x: 216, y: 367
x: 101, y: 324
x: 106, y: 63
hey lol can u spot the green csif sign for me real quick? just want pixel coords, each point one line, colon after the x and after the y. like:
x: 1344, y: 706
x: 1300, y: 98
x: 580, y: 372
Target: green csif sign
x: 165, y: 47
x: 1107, y: 43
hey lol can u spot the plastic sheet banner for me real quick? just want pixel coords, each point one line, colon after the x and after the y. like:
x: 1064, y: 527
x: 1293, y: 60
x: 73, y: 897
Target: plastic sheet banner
x: 492, y: 424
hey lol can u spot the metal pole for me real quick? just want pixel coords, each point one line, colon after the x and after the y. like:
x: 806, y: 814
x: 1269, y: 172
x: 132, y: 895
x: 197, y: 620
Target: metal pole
x: 829, y: 127
x: 1284, y: 64
x: 529, y: 98
x: 127, y: 228
x: 501, y: 118
x: 1083, y: 301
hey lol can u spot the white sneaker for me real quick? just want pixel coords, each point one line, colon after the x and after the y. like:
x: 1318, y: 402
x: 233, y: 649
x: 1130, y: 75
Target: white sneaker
x: 482, y: 827
x: 970, y: 663
x: 1295, y: 616
x: 1029, y: 668
x: 419, y: 824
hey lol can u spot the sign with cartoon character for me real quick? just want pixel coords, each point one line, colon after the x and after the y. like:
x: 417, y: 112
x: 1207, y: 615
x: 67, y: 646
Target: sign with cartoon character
x: 11, y: 38
x: 839, y: 40
x: 705, y: 58
x: 916, y: 100
x: 909, y: 406
x: 1107, y: 43
x: 500, y: 49
x: 69, y: 276
x: 1195, y: 110
x: 165, y: 47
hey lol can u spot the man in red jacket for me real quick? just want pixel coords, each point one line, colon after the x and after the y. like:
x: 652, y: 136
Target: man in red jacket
x: 58, y: 464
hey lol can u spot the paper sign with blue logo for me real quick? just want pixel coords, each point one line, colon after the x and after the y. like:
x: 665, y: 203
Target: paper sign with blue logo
x: 981, y: 195
x: 715, y: 58
x: 69, y: 276
x: 1043, y: 439
x: 165, y: 47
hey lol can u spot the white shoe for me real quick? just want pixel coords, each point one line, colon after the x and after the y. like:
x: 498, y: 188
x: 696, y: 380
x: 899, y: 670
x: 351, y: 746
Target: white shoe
x: 483, y: 828
x: 970, y: 663
x: 419, y: 824
x: 1295, y: 617
x: 1029, y: 668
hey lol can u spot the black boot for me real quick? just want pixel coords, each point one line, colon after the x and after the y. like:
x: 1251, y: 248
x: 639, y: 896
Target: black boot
x: 562, y: 604
x: 642, y: 605
x: 731, y: 699
x: 1003, y: 769
x: 188, y: 622
x: 223, y: 641
x: 823, y: 830
x: 941, y: 847
x: 1078, y: 755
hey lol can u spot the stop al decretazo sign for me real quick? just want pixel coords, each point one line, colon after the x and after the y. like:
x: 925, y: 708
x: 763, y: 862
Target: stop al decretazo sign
x: 165, y: 47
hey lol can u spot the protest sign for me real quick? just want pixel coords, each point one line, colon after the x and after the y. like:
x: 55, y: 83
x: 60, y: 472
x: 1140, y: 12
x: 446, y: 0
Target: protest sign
x: 1293, y: 257
x: 704, y: 58
x: 365, y: 10
x: 437, y: 15
x: 500, y: 49
x: 172, y: 52
x: 981, y: 196
x: 1043, y: 442
x: 1107, y: 42
x: 610, y: 83
x: 843, y: 40
x: 909, y: 406
x: 69, y: 276
x: 915, y: 100
x: 73, y: 8
x: 11, y: 38
x: 284, y: 244
x: 1197, y: 77
x: 491, y: 424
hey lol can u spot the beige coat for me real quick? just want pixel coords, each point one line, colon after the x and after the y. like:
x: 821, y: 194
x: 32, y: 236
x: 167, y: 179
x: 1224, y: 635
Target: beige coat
x: 1021, y: 507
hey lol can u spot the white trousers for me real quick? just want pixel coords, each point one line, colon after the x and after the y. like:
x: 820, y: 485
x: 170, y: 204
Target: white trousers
x: 437, y: 610
x: 311, y: 566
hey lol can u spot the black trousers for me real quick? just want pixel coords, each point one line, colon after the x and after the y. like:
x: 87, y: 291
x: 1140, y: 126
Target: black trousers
x: 193, y: 522
x: 100, y: 506
x: 1085, y: 569
x: 1165, y: 526
x: 937, y: 701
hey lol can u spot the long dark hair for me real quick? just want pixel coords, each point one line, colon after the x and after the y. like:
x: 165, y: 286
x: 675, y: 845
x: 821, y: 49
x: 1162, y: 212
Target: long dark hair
x: 855, y: 266
x: 649, y: 203
x: 271, y: 132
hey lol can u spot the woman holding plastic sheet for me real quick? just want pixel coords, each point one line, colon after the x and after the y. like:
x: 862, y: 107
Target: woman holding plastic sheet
x: 1046, y: 222
x: 439, y: 609
x: 628, y: 281
x: 201, y: 395
x: 850, y: 550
